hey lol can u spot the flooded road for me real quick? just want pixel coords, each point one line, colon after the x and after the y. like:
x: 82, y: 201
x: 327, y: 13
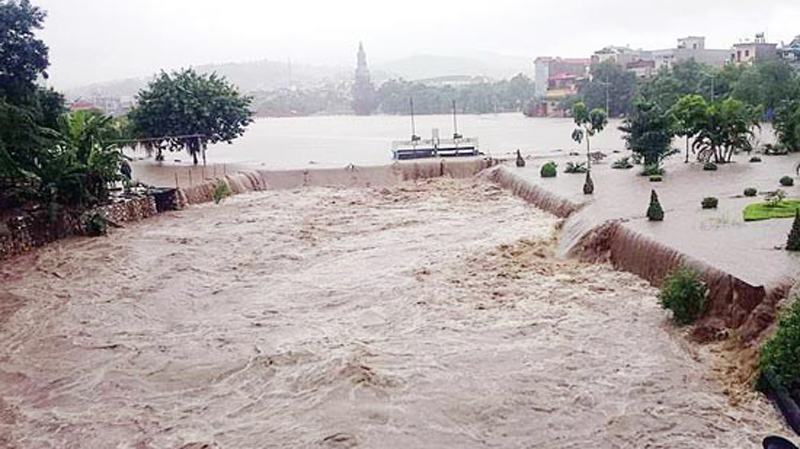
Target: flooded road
x: 431, y: 314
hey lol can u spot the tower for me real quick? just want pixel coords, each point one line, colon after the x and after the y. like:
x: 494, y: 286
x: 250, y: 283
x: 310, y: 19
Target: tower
x: 363, y: 90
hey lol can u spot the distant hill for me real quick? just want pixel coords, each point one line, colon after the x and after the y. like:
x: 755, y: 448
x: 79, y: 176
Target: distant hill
x: 490, y: 65
x: 269, y: 75
x: 248, y: 76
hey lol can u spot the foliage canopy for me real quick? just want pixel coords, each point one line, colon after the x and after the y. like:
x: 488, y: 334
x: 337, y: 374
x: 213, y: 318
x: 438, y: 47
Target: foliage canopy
x: 185, y: 103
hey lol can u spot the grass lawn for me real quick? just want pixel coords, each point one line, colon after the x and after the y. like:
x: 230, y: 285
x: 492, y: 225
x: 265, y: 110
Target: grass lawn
x: 763, y: 211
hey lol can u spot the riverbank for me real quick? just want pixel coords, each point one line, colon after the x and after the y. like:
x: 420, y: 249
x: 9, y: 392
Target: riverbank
x: 747, y: 272
x: 432, y: 313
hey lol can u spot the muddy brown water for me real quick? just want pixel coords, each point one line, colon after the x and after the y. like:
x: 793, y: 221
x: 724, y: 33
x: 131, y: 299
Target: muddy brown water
x: 430, y: 314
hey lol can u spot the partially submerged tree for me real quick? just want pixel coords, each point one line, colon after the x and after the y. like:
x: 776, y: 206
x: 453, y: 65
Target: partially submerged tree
x: 589, y: 123
x: 588, y: 185
x: 687, y: 113
x: 187, y: 111
x: 787, y: 123
x: 648, y: 133
x: 723, y: 129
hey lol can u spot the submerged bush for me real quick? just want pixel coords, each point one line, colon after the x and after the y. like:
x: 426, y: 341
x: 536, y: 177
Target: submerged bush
x: 787, y: 181
x: 710, y: 166
x: 780, y: 357
x: 549, y: 170
x: 653, y: 170
x: 755, y: 159
x: 622, y: 164
x: 710, y: 202
x: 656, y: 179
x: 684, y: 294
x: 220, y: 192
x: 655, y: 212
x: 750, y: 191
x: 95, y: 225
x: 572, y: 167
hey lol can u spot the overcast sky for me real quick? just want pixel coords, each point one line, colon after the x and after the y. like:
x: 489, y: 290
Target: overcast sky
x: 99, y: 40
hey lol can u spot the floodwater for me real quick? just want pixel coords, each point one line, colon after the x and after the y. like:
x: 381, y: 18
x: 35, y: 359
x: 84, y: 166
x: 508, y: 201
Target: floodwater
x: 336, y: 141
x: 429, y: 314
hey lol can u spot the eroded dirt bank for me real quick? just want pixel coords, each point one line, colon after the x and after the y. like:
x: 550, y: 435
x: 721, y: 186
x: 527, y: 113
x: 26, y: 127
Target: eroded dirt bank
x: 430, y: 314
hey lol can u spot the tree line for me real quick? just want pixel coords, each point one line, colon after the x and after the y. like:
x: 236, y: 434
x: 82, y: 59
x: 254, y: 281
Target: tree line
x: 392, y: 97
x: 767, y: 85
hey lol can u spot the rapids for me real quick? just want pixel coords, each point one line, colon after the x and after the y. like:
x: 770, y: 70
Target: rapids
x: 432, y: 313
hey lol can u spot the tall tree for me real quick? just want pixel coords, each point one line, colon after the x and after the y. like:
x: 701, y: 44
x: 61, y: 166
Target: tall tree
x: 724, y: 128
x: 688, y: 112
x: 23, y: 57
x: 648, y: 132
x: 589, y: 124
x: 611, y: 87
x: 787, y: 123
x: 25, y: 109
x: 184, y: 103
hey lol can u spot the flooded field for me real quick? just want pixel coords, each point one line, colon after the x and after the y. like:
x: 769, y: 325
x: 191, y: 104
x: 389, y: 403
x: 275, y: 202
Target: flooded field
x: 430, y: 314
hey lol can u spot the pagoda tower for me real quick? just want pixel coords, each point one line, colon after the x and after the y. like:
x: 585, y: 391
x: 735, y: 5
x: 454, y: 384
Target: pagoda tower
x: 363, y: 89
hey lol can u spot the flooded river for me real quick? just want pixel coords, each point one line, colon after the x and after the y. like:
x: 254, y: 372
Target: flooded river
x: 429, y: 314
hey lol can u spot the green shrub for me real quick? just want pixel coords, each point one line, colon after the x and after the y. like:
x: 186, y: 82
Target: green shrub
x: 655, y: 212
x: 575, y: 168
x: 710, y: 202
x: 549, y: 170
x: 622, y: 164
x: 793, y: 241
x: 588, y: 186
x: 656, y: 179
x: 95, y: 225
x: 787, y: 181
x: 780, y: 357
x: 684, y: 294
x: 652, y: 170
x: 220, y: 192
x: 755, y: 159
x: 710, y: 166
x: 750, y: 191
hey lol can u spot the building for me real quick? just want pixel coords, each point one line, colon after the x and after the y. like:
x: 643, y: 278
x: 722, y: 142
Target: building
x: 556, y: 79
x: 113, y: 106
x: 752, y: 52
x: 646, y: 63
x: 642, y: 69
x: 691, y: 48
x: 619, y: 55
x: 454, y: 80
x: 791, y: 52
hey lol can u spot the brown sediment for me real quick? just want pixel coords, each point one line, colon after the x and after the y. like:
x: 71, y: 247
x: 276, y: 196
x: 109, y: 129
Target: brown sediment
x: 433, y: 313
x: 351, y: 176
